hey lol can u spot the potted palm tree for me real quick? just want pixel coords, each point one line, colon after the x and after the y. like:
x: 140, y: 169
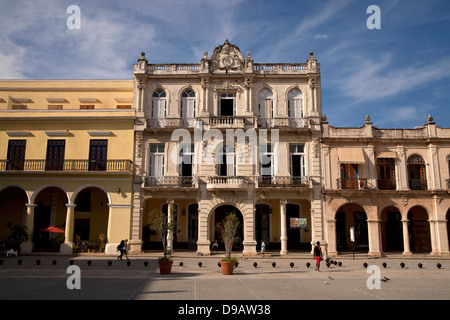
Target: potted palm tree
x: 228, y: 232
x: 159, y: 222
x: 19, y: 234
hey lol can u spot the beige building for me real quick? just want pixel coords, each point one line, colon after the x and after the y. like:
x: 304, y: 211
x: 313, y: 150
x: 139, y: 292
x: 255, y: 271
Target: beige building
x: 386, y: 190
x: 272, y: 179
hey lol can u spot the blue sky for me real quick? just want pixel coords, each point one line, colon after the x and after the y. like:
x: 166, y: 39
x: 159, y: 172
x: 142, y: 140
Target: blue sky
x: 397, y: 74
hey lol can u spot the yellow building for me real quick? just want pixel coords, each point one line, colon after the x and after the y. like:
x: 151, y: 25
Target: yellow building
x: 66, y: 150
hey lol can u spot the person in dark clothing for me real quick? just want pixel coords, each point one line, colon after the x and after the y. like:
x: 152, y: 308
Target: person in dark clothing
x: 120, y: 248
x: 318, y: 255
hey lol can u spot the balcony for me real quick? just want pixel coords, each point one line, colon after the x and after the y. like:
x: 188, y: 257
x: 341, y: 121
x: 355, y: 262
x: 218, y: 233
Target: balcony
x: 387, y: 184
x: 282, y: 182
x: 417, y: 184
x: 67, y: 165
x: 170, y: 181
x: 282, y: 123
x: 226, y: 122
x: 164, y: 122
x: 223, y: 183
x: 352, y: 184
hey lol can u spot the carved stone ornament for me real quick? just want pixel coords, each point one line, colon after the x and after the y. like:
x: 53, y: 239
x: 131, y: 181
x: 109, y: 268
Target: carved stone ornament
x: 227, y: 57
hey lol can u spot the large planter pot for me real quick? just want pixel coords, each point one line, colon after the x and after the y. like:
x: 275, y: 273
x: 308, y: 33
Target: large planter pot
x: 227, y: 267
x: 165, y: 267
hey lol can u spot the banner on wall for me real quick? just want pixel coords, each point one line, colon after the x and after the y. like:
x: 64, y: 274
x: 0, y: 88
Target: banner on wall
x: 298, y: 223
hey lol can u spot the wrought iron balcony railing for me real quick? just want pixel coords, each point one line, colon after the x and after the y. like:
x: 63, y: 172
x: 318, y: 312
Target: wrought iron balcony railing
x: 170, y: 181
x: 66, y: 165
x: 353, y: 183
x: 417, y: 184
x: 282, y: 182
x: 387, y: 184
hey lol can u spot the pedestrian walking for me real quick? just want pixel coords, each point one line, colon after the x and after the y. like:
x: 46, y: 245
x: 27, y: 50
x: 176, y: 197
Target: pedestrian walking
x: 263, y: 248
x: 125, y: 248
x: 318, y: 255
x: 119, y: 248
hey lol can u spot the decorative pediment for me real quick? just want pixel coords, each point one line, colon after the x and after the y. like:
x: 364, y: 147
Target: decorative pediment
x: 227, y: 58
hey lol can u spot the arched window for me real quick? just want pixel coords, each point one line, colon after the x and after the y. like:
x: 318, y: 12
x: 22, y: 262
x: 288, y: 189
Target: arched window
x: 265, y: 107
x: 417, y: 174
x: 159, y: 104
x: 187, y: 108
x: 158, y: 108
x: 295, y: 104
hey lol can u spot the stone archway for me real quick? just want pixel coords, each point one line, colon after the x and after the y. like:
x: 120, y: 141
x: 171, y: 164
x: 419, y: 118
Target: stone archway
x: 349, y: 216
x: 391, y: 230
x: 12, y: 210
x: 262, y: 224
x: 447, y: 217
x: 50, y: 210
x: 419, y: 230
x: 220, y: 212
x: 91, y: 216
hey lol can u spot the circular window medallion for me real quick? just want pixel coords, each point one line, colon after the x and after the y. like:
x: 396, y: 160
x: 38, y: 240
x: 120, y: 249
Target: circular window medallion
x: 227, y: 61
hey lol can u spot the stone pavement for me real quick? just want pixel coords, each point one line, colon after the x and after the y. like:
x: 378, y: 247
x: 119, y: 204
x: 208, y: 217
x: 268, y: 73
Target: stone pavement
x: 190, y: 282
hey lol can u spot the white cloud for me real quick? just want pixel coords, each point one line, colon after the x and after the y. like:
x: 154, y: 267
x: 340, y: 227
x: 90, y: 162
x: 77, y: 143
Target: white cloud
x: 41, y: 45
x: 324, y: 14
x: 376, y: 79
x: 321, y: 36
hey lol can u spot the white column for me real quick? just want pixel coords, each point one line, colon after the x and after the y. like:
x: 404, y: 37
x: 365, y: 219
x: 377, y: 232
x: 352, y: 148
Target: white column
x: 67, y: 246
x: 27, y: 247
x: 283, y: 237
x: 170, y: 206
x: 406, y: 248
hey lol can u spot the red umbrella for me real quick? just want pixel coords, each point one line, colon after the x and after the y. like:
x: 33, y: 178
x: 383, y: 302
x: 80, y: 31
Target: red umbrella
x: 53, y: 229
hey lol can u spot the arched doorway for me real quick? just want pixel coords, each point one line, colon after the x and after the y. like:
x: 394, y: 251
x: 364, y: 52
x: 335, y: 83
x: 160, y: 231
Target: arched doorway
x: 419, y: 230
x: 391, y: 229
x: 293, y: 233
x: 91, y: 219
x: 12, y: 210
x: 447, y: 217
x: 262, y: 225
x: 219, y: 214
x: 50, y: 210
x: 192, y: 225
x: 352, y: 217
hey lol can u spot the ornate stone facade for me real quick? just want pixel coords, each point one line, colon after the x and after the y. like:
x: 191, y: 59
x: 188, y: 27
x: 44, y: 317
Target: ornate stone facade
x: 229, y: 92
x: 390, y: 185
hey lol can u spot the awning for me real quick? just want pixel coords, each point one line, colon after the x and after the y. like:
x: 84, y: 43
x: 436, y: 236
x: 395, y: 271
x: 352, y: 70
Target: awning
x: 52, y: 229
x: 387, y: 154
x: 351, y: 155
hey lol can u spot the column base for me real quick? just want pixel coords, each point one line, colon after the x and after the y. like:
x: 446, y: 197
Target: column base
x: 249, y: 249
x: 26, y: 247
x: 66, y: 248
x: 375, y: 254
x: 111, y: 248
x: 135, y: 246
x: 332, y: 254
x: 203, y: 248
